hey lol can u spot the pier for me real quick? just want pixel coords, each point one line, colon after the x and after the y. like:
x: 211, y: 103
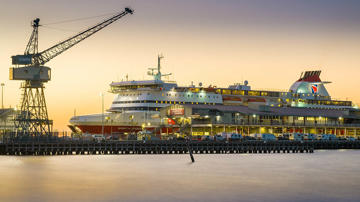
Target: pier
x: 168, y: 147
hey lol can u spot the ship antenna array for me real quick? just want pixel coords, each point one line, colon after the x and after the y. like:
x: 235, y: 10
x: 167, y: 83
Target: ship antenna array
x: 32, y: 118
x: 158, y: 75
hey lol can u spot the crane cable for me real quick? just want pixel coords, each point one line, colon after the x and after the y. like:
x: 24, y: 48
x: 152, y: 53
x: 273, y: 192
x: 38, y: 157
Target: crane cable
x: 78, y: 19
x: 59, y: 29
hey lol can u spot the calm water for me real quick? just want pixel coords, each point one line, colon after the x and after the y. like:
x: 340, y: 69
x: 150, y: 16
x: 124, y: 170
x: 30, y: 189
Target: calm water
x: 322, y: 176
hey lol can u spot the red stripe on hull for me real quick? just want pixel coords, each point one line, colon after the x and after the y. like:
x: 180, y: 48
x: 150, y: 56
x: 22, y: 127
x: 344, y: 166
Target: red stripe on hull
x: 256, y: 100
x: 232, y: 99
x: 96, y: 129
x: 109, y: 129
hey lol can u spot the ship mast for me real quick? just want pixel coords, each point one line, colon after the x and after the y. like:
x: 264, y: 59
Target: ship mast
x: 158, y: 74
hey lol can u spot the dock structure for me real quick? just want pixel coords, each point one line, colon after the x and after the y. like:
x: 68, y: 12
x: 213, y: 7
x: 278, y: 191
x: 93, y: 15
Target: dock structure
x: 168, y: 147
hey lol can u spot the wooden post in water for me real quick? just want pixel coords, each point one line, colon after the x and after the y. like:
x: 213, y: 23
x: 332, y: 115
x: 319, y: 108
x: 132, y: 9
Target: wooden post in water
x: 190, y: 151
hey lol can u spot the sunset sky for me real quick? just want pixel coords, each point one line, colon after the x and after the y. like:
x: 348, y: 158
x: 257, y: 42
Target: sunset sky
x: 267, y: 42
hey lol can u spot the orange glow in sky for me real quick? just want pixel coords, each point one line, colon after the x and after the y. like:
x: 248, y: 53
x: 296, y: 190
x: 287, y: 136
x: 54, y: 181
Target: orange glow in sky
x: 268, y: 43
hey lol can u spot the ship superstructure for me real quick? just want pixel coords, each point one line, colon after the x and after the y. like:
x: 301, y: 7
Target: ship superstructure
x: 137, y: 102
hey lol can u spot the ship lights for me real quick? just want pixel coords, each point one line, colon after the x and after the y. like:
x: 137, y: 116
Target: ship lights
x: 218, y: 118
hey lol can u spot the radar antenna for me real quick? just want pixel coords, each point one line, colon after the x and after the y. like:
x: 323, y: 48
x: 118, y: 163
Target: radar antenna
x: 158, y: 75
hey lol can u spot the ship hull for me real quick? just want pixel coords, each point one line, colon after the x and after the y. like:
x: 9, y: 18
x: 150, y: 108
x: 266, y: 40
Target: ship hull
x: 120, y: 129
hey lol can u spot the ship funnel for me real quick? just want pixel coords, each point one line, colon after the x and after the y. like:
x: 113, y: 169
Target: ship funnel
x: 310, y: 83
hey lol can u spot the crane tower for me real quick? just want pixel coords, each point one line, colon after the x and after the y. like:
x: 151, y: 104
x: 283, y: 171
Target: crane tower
x: 32, y: 118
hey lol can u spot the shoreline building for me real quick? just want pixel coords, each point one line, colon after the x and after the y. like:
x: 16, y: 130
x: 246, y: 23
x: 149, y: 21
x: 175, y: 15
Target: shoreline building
x: 210, y: 120
x: 7, y: 117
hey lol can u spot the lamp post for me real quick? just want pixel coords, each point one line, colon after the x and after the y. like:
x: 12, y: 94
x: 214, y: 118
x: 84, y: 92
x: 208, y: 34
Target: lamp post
x: 102, y: 113
x: 2, y: 95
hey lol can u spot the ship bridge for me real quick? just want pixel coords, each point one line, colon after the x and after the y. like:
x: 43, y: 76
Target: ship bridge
x: 157, y: 83
x: 117, y: 87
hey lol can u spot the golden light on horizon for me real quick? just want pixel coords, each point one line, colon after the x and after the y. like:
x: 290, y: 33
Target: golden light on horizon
x: 267, y: 51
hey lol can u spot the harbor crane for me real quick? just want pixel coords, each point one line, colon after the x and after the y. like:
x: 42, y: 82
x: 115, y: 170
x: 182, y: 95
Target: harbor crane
x: 32, y: 118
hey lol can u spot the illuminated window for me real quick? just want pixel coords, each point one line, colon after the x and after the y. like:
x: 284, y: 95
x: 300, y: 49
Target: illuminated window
x: 226, y: 92
x: 195, y: 90
x: 238, y: 92
x: 254, y: 93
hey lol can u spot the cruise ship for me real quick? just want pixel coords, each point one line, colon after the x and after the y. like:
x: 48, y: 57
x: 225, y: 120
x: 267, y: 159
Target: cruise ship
x: 137, y: 103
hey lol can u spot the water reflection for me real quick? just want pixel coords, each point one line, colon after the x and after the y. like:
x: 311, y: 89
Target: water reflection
x: 322, y: 176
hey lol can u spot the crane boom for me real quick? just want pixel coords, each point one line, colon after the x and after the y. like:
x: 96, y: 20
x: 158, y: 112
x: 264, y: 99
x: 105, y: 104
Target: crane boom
x: 48, y: 54
x: 32, y: 118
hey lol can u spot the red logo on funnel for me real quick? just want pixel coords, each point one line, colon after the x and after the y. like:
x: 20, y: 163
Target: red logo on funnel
x: 314, y: 88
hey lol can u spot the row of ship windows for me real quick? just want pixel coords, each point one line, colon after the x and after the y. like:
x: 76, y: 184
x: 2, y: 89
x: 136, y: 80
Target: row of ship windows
x: 319, y: 102
x: 190, y: 95
x: 175, y: 95
x: 160, y: 102
x: 338, y: 103
x: 266, y: 93
x: 133, y: 94
x: 328, y: 102
x: 229, y: 92
x: 135, y: 108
